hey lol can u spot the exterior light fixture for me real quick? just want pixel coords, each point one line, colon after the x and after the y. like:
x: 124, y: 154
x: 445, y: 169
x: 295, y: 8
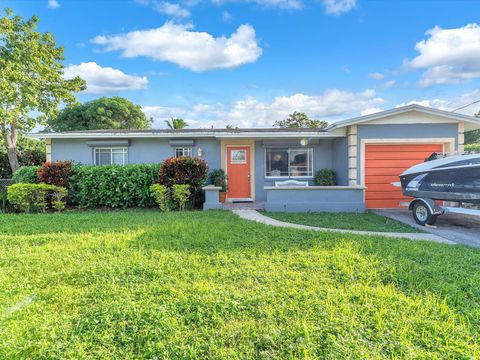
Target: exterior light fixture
x: 199, y: 152
x: 304, y: 142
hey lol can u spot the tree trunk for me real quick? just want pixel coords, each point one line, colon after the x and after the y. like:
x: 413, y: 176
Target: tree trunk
x: 12, y: 158
x: 11, y: 144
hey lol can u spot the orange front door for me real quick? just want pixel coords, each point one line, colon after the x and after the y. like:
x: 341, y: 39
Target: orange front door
x: 383, y: 165
x: 238, y: 172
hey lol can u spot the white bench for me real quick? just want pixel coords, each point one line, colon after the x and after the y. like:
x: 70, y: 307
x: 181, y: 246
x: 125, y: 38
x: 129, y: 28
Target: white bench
x: 290, y: 183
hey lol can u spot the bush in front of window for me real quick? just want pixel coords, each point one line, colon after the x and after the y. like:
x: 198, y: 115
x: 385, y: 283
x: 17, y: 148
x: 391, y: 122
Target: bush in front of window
x: 36, y: 197
x: 56, y: 173
x: 184, y: 171
x: 114, y: 186
x: 160, y: 194
x: 26, y: 175
x: 325, y: 177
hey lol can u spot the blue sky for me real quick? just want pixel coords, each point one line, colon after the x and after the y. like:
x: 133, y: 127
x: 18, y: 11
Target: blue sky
x: 251, y: 62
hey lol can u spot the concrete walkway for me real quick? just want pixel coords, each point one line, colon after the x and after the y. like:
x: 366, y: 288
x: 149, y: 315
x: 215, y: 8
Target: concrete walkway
x: 462, y: 229
x: 254, y: 215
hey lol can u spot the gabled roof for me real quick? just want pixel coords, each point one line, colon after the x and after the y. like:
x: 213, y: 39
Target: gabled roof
x: 475, y: 122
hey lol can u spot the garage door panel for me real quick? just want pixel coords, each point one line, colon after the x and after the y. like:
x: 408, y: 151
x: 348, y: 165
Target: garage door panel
x: 381, y: 187
x: 378, y: 195
x: 391, y: 171
x: 391, y: 155
x: 398, y: 163
x: 406, y: 147
x: 380, y: 179
x: 384, y: 164
x: 382, y: 204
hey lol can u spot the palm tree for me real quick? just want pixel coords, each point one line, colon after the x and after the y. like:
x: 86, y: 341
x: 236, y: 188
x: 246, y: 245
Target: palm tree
x: 176, y: 123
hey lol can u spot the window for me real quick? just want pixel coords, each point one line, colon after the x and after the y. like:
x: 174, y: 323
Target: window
x: 111, y: 156
x: 286, y: 162
x: 238, y: 157
x: 183, y: 151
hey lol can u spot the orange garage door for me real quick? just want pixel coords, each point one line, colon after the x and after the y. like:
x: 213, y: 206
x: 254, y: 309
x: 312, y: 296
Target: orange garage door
x: 383, y: 164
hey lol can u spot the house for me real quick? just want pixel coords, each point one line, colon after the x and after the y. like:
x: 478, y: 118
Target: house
x: 367, y: 153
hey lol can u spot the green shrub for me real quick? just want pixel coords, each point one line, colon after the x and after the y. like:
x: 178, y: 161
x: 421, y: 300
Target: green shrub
x: 180, y: 194
x: 472, y: 148
x: 160, y: 194
x: 325, y: 177
x: 115, y: 186
x: 56, y: 173
x: 184, y: 170
x: 219, y: 178
x: 4, y: 184
x: 26, y: 175
x: 36, y: 197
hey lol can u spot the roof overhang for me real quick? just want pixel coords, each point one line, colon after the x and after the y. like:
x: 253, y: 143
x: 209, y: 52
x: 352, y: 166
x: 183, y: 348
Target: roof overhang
x: 176, y: 135
x: 471, y: 122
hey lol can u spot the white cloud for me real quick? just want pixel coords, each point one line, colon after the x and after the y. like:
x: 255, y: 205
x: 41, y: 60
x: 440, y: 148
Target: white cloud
x: 278, y: 4
x: 172, y: 9
x: 376, y: 76
x: 167, y: 8
x: 250, y: 112
x: 101, y: 80
x: 389, y: 84
x: 450, y: 105
x: 370, y: 111
x: 226, y: 16
x: 190, y: 49
x: 450, y: 56
x: 53, y: 4
x: 337, y: 7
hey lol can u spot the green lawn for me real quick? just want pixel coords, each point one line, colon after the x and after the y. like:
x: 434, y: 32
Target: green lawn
x: 142, y: 284
x: 348, y: 221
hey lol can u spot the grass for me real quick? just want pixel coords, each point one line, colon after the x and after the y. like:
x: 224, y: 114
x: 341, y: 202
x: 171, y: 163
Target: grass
x: 142, y: 284
x: 349, y: 221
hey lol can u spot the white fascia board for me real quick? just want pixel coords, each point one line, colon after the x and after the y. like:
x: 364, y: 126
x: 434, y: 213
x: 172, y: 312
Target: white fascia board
x: 404, y: 109
x: 178, y: 135
x: 274, y: 135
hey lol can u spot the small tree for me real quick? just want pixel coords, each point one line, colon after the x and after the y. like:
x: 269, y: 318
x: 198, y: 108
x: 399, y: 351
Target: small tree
x: 176, y: 123
x: 31, y: 79
x: 300, y: 120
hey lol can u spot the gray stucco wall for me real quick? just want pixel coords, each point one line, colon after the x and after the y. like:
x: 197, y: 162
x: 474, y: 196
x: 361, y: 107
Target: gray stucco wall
x: 403, y: 131
x: 322, y: 158
x: 140, y: 150
x: 340, y: 160
x: 313, y: 199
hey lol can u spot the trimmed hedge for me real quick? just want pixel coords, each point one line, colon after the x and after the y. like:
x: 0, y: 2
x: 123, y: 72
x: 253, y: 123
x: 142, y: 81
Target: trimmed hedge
x: 36, y: 197
x: 26, y: 175
x: 115, y: 186
x: 472, y: 147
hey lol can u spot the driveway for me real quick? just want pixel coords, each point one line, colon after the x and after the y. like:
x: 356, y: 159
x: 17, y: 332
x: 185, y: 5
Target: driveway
x: 461, y: 229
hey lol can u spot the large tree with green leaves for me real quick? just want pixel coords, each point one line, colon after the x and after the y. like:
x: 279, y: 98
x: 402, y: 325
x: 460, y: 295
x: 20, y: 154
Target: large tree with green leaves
x: 300, y: 120
x: 29, y: 152
x: 176, y: 123
x: 104, y: 113
x: 32, y: 82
